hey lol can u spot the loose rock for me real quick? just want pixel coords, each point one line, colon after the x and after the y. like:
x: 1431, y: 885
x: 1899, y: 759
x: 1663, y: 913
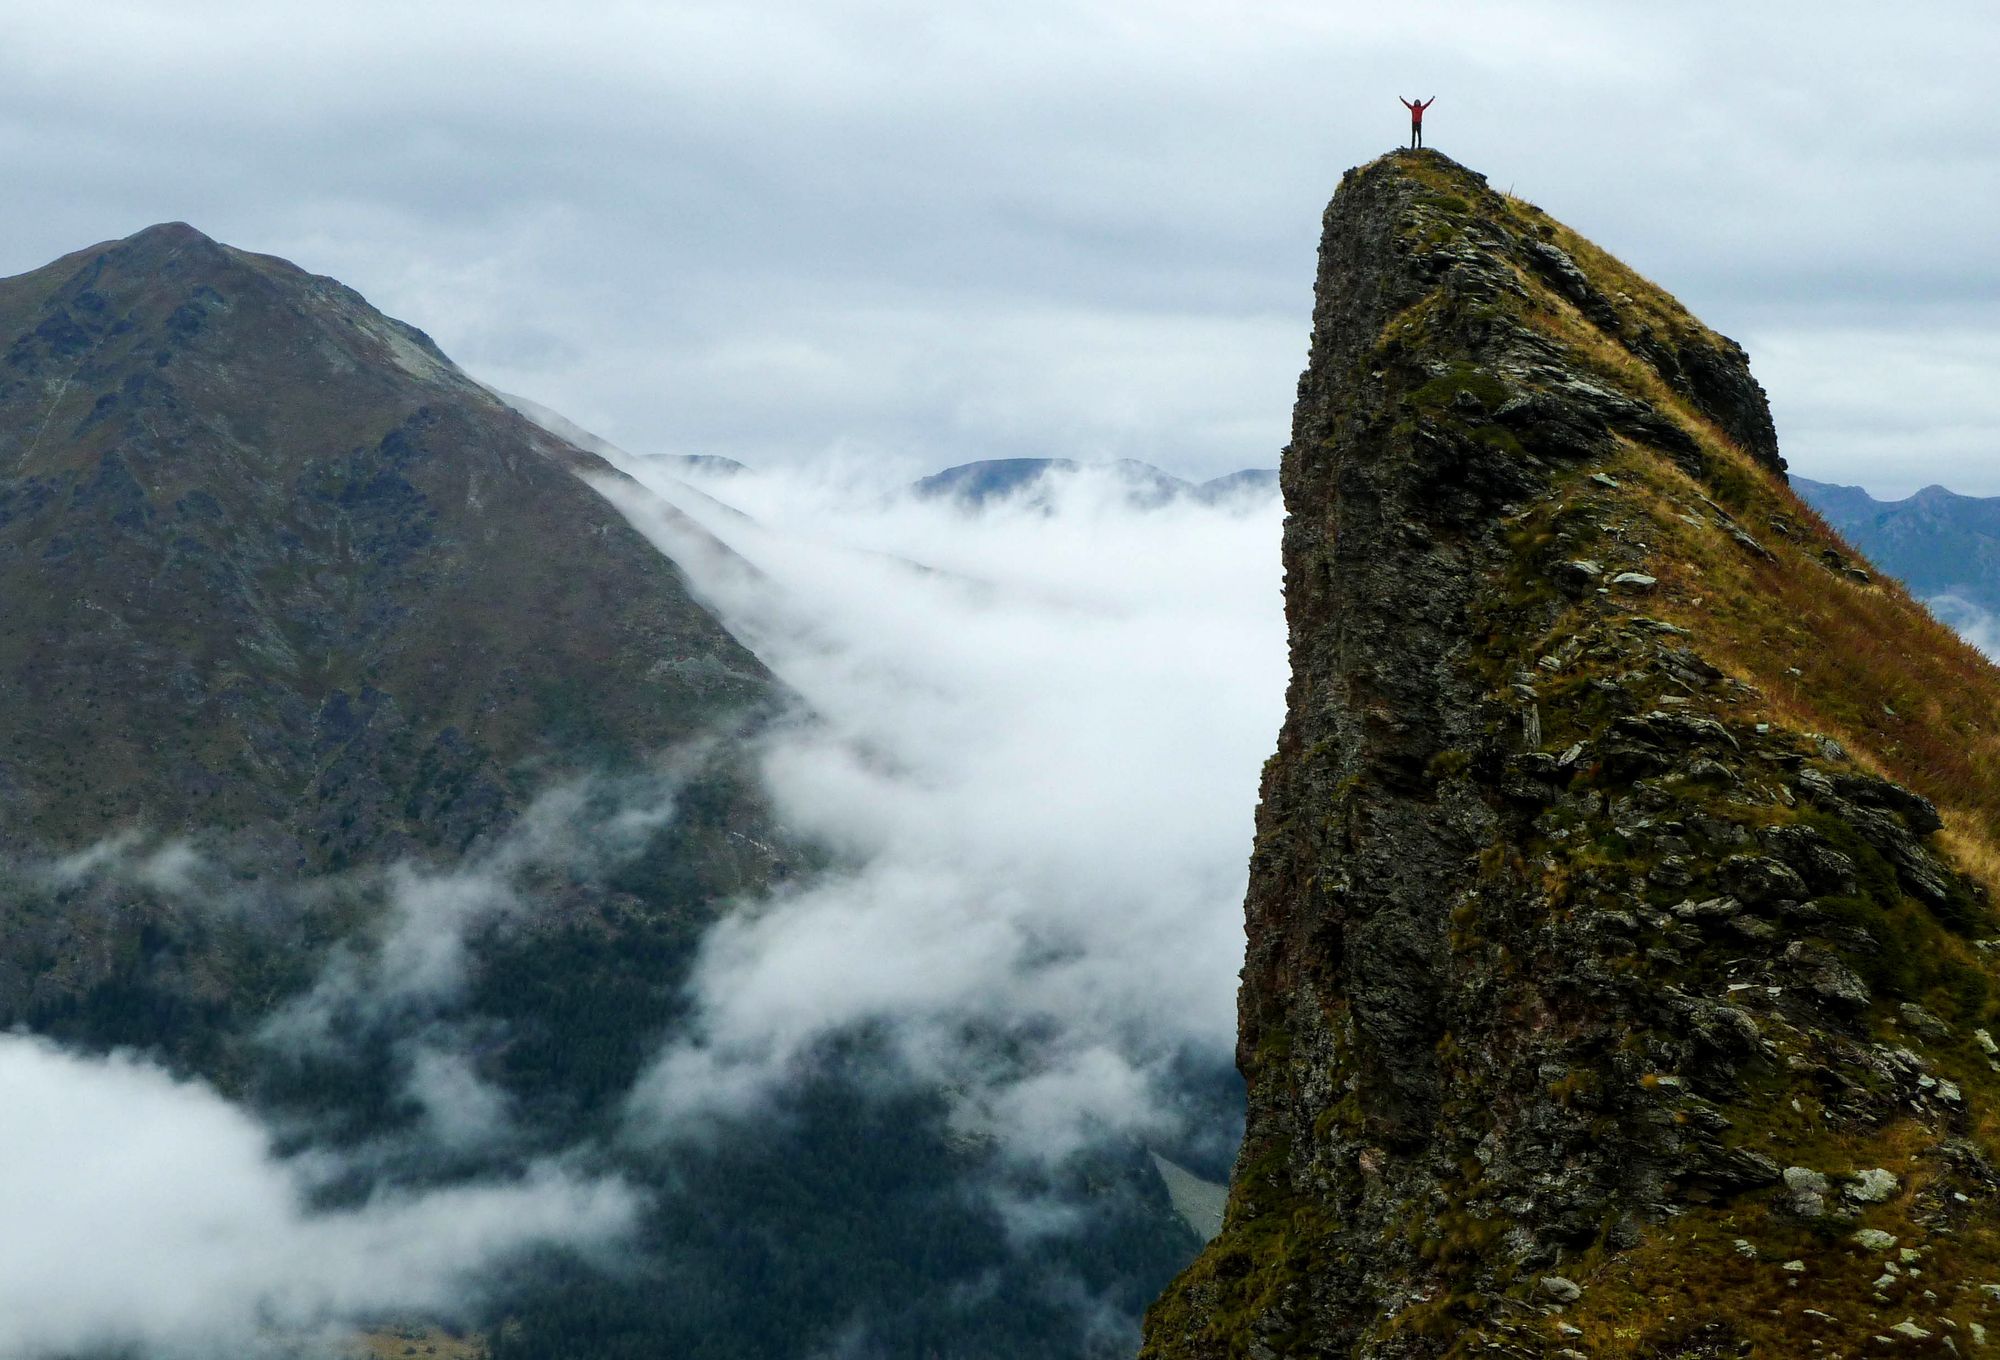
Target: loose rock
x: 1871, y: 1186
x: 1560, y: 1289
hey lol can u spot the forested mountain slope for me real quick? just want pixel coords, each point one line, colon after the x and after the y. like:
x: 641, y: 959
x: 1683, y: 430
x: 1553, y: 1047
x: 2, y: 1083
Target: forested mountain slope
x: 270, y: 558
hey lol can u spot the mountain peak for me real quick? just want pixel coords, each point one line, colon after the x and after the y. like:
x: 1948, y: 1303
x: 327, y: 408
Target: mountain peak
x: 192, y: 313
x: 169, y: 234
x: 167, y: 249
x: 1424, y: 221
x: 1621, y: 826
x: 1934, y: 494
x: 291, y: 500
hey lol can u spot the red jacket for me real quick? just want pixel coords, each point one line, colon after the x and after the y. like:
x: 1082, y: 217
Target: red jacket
x: 1417, y: 109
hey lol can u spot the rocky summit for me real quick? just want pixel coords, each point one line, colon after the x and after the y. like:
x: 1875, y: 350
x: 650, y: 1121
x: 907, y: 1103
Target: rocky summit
x: 1617, y: 978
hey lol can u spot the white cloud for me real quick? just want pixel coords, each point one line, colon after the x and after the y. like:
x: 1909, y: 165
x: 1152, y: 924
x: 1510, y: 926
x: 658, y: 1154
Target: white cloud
x: 1976, y: 625
x: 1037, y: 748
x: 1829, y: 383
x: 461, y: 1111
x: 170, y: 866
x: 415, y: 959
x: 141, y: 1209
x: 774, y: 229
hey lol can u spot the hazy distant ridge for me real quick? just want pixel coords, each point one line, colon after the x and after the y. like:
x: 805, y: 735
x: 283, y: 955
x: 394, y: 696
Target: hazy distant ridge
x: 994, y: 479
x: 1939, y: 542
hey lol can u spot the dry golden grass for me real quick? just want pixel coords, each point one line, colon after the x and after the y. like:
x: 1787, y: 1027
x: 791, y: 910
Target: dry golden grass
x: 1864, y: 664
x: 420, y: 1343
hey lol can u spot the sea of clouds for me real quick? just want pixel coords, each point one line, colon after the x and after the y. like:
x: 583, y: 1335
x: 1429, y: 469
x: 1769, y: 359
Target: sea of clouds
x: 1036, y: 732
x: 1028, y: 734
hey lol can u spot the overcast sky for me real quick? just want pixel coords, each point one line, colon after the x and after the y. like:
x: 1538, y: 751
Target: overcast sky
x: 925, y: 233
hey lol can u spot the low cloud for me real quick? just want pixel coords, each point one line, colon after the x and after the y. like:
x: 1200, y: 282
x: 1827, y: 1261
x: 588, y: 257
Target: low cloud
x: 1037, y: 740
x: 1033, y: 754
x: 146, y: 1210
x: 150, y: 1210
x: 1978, y: 626
x: 170, y: 866
x: 417, y: 960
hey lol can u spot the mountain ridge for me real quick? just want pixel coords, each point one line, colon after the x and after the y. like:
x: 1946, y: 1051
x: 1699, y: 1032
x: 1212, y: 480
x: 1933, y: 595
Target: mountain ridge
x: 1939, y: 542
x: 988, y: 481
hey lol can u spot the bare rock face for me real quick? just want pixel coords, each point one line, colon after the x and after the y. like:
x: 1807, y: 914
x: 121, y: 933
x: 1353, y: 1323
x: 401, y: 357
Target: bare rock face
x: 1597, y: 876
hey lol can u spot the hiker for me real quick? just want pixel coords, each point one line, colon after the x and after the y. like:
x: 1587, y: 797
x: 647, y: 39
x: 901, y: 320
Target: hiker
x: 1416, y: 117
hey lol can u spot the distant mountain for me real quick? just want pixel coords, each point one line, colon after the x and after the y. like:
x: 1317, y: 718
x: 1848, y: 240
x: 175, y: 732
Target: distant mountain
x: 274, y: 566
x: 1940, y: 543
x: 1247, y: 483
x: 1148, y: 487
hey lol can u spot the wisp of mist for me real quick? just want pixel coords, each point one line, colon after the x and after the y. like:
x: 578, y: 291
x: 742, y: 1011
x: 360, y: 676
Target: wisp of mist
x: 143, y: 1210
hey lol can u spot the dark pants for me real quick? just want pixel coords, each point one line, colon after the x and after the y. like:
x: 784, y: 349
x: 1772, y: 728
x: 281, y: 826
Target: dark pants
x: 1416, y: 133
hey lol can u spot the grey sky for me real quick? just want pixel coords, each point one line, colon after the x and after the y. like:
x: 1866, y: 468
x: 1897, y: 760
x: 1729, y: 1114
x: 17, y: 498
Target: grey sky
x: 924, y: 234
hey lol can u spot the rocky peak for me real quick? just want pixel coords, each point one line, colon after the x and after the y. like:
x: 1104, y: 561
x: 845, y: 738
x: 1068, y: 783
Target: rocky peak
x: 149, y: 249
x: 216, y: 323
x: 169, y: 234
x: 1612, y: 931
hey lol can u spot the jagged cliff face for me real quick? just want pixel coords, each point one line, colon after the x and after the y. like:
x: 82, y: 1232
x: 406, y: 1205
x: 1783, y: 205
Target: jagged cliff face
x: 1611, y: 984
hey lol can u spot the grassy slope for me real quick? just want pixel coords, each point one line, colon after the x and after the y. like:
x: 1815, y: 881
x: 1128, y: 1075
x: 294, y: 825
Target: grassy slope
x: 271, y: 562
x: 1864, y: 663
x: 1822, y: 651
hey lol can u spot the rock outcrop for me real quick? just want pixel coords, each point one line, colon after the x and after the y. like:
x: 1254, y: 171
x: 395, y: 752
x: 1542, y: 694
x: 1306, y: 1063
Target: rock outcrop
x: 1614, y: 982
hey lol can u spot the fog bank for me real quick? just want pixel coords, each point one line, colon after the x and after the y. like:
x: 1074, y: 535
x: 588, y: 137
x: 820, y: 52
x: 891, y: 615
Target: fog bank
x: 1036, y: 739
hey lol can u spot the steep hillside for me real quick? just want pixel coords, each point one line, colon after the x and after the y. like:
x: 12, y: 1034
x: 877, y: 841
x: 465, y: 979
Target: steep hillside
x: 1613, y: 985
x: 274, y: 567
